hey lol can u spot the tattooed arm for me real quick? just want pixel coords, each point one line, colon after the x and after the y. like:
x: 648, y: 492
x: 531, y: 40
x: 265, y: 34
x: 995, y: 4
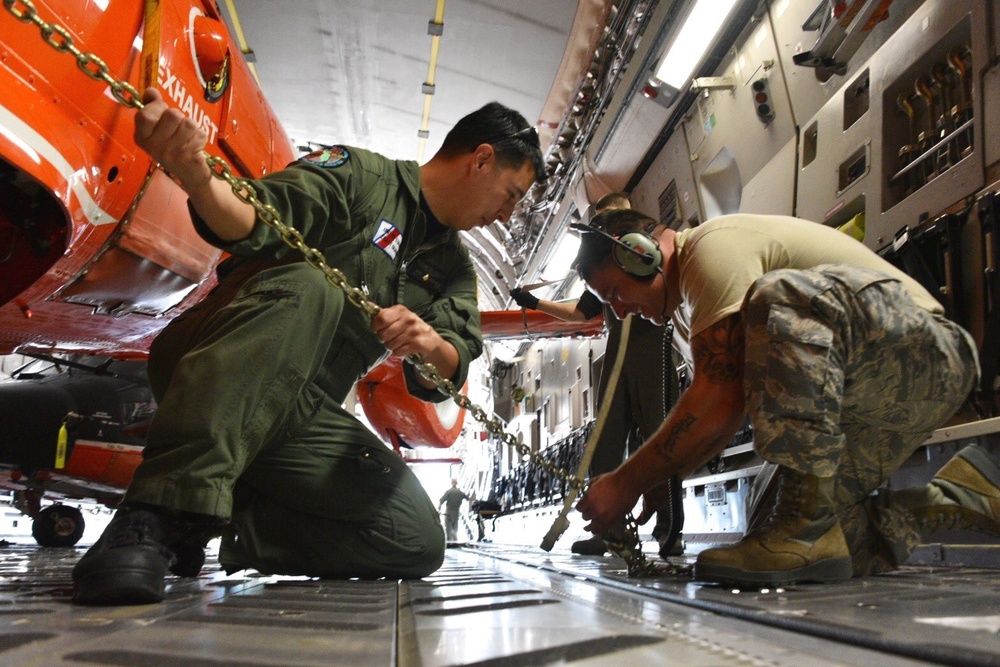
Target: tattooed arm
x: 700, y: 425
x: 711, y: 410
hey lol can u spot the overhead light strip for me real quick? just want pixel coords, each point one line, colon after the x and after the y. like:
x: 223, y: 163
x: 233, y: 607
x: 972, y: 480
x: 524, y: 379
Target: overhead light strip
x: 435, y: 29
x: 695, y: 36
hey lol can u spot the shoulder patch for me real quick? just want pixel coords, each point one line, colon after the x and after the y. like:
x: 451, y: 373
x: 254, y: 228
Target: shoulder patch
x: 388, y: 238
x: 331, y: 157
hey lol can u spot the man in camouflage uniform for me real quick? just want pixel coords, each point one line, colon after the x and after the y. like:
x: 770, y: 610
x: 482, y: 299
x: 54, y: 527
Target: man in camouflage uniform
x: 843, y: 364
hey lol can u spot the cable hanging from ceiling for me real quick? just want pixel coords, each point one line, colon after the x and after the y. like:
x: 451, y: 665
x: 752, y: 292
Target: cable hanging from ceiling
x: 435, y: 28
x: 614, y: 49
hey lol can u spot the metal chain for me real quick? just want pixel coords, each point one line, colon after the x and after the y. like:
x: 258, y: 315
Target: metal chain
x: 57, y: 37
x: 628, y: 547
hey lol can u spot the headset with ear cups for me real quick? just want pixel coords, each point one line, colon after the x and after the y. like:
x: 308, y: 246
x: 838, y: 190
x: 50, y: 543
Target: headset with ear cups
x: 637, y: 253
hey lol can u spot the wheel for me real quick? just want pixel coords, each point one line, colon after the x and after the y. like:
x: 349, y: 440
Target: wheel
x: 58, y: 526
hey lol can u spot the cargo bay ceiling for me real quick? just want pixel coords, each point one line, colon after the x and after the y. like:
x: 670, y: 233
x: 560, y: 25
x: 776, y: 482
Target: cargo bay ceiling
x: 394, y: 75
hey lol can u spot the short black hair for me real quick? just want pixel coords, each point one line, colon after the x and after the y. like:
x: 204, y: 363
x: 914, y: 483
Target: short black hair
x: 616, y: 222
x: 514, y: 141
x: 612, y: 200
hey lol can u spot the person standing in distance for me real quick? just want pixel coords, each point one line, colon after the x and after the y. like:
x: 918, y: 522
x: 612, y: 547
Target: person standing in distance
x: 452, y: 501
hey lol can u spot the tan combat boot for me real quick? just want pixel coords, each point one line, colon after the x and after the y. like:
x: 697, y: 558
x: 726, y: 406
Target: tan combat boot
x: 964, y: 495
x: 802, y: 540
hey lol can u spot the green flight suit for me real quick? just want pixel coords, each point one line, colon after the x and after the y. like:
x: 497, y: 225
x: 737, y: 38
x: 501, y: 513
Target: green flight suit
x: 250, y: 382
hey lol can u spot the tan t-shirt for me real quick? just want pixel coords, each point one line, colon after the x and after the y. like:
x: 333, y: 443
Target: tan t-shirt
x: 721, y: 259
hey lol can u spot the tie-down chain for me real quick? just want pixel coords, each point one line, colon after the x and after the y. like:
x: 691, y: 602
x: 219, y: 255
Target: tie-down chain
x: 627, y: 546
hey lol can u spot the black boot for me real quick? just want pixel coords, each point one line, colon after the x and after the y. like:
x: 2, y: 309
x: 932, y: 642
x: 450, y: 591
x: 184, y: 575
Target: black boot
x: 670, y: 521
x: 128, y: 564
x: 189, y: 548
x: 592, y: 546
x: 189, y: 556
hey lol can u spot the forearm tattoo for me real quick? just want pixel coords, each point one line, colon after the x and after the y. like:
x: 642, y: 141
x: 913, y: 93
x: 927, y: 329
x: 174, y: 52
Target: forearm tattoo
x: 718, y: 351
x: 666, y: 448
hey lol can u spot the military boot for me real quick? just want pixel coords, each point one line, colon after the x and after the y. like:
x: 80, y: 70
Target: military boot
x: 190, y: 547
x: 128, y: 564
x: 670, y: 521
x: 598, y: 544
x: 593, y: 546
x: 964, y: 495
x: 801, y: 541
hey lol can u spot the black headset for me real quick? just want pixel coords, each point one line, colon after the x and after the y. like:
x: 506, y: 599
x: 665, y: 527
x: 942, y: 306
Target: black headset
x: 637, y: 253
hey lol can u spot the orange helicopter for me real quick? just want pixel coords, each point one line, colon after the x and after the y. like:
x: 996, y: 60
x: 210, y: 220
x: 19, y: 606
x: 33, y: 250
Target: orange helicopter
x: 97, y: 249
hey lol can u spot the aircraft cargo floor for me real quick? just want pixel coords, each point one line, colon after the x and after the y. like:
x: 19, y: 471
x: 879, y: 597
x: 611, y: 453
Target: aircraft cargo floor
x: 500, y: 606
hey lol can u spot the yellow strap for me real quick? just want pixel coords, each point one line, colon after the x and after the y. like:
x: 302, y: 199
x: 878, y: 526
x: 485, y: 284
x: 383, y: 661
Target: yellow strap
x: 61, y: 442
x: 561, y: 522
x: 149, y: 64
x: 425, y: 120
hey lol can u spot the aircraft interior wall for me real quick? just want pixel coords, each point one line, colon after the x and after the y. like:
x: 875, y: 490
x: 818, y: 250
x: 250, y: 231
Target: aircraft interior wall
x: 895, y: 147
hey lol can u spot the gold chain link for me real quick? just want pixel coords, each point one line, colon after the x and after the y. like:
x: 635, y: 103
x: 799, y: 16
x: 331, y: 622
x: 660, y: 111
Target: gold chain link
x: 629, y: 548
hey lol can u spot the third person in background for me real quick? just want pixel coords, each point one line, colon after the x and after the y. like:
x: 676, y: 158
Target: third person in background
x: 640, y: 401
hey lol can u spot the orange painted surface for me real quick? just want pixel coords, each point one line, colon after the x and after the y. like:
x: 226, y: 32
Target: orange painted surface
x: 105, y: 464
x: 100, y: 252
x: 102, y: 265
x: 501, y: 324
x: 394, y: 413
x: 103, y: 254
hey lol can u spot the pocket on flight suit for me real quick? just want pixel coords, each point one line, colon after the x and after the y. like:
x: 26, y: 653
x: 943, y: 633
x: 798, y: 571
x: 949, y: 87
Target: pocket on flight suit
x: 420, y: 288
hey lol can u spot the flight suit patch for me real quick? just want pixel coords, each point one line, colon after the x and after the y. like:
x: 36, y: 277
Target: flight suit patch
x: 331, y: 157
x: 388, y: 238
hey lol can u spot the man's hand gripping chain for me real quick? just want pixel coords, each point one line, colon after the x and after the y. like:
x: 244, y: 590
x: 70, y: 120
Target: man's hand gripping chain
x: 59, y: 38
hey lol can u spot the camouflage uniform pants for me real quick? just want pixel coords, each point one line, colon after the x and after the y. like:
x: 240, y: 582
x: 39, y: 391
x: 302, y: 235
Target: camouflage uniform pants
x: 845, y: 377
